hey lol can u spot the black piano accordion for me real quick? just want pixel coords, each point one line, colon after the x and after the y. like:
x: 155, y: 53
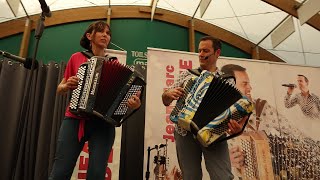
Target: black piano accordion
x: 209, y: 103
x: 104, y: 88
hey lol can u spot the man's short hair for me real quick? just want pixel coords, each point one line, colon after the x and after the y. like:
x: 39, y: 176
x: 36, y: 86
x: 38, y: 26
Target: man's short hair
x: 229, y: 69
x: 216, y: 43
x: 305, y: 78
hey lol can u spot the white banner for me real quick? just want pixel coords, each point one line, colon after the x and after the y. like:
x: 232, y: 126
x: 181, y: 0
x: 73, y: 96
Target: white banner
x: 112, y: 171
x: 163, y: 69
x: 286, y: 140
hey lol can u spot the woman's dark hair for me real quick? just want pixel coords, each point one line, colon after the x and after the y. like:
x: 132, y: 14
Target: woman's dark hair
x: 97, y: 26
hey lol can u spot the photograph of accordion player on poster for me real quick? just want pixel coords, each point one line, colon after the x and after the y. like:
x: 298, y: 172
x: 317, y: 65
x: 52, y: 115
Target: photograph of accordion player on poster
x: 280, y: 141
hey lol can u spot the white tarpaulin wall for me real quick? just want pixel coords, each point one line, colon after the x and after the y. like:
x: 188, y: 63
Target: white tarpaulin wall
x: 292, y: 138
x: 112, y: 171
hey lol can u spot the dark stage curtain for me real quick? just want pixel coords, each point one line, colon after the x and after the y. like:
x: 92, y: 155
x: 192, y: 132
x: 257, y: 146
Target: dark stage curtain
x: 132, y: 143
x: 30, y: 115
x: 30, y: 118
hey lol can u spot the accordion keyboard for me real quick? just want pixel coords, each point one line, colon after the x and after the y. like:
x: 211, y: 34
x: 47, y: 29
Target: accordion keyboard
x: 250, y: 170
x: 81, y: 74
x: 123, y: 107
x: 181, y: 101
x: 86, y: 86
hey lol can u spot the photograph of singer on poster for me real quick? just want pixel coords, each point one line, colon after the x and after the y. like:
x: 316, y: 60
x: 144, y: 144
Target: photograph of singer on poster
x: 306, y: 100
x: 300, y: 104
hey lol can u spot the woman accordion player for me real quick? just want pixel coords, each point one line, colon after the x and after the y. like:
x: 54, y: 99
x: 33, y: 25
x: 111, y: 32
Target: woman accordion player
x: 76, y: 130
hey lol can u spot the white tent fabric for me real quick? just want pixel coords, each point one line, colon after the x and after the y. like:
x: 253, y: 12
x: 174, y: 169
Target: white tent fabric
x: 250, y: 19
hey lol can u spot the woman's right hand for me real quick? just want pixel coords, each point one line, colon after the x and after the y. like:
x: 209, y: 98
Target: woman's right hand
x: 65, y: 85
x: 72, y: 83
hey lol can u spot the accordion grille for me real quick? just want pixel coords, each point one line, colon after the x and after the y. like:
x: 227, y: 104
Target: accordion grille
x: 223, y: 127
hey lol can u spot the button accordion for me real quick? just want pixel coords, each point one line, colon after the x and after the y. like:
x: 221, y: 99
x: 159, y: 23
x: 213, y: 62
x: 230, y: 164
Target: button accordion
x: 258, y: 159
x: 104, y: 88
x: 209, y: 102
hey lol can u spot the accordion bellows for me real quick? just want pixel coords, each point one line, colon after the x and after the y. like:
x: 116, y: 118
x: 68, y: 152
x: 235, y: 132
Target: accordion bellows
x: 209, y: 103
x: 104, y: 88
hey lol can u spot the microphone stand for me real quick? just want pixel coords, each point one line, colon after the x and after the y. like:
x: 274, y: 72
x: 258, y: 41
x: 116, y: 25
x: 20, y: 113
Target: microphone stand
x: 148, y: 164
x: 38, y: 34
x: 26, y: 97
x: 148, y: 161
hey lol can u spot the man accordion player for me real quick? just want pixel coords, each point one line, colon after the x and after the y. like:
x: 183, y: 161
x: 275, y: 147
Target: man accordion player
x: 193, y: 115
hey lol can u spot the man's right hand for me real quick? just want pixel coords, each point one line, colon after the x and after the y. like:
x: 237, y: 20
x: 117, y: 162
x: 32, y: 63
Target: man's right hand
x: 175, y: 93
x: 290, y: 90
x: 172, y: 94
x: 236, y: 157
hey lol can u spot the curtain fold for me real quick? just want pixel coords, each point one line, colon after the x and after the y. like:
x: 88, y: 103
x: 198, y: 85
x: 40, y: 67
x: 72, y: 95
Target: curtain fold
x: 30, y: 117
x: 11, y: 95
x: 59, y: 110
x: 47, y: 123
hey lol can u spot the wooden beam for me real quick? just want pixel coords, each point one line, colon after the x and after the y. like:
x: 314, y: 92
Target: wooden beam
x: 109, y: 11
x: 191, y: 36
x: 290, y: 7
x: 255, y: 53
x: 25, y: 39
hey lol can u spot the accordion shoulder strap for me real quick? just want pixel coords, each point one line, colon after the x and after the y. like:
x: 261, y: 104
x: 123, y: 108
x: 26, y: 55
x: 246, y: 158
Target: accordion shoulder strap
x: 259, y: 107
x: 196, y: 71
x: 89, y: 55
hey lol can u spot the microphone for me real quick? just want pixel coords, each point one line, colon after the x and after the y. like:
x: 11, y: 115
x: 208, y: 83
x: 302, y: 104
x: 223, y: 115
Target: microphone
x: 162, y: 145
x: 45, y: 8
x: 289, y: 85
x: 27, y: 62
x: 205, y: 58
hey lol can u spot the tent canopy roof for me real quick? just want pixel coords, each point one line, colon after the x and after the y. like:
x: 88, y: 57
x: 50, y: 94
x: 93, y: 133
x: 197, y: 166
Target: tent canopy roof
x: 253, y: 20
